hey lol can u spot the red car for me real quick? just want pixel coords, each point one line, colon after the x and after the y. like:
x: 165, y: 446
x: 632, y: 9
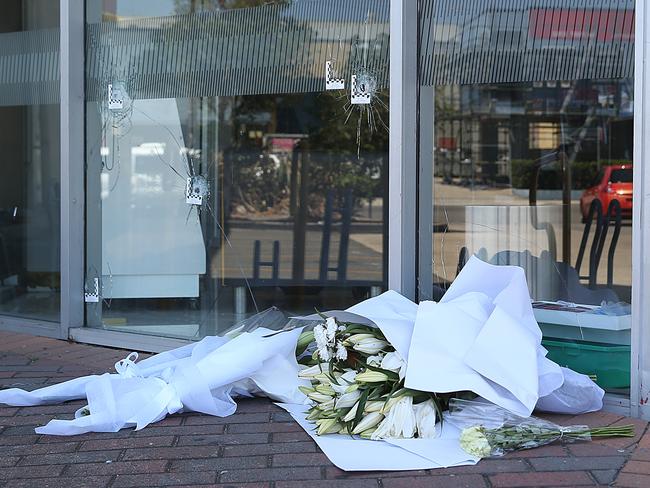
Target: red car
x: 613, y: 183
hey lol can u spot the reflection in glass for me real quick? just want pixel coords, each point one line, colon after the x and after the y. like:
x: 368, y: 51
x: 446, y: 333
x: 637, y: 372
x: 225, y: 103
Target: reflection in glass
x: 222, y: 177
x: 30, y: 169
x: 533, y: 153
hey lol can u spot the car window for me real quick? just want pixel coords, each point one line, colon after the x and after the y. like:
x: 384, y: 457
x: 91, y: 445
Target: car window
x: 621, y: 176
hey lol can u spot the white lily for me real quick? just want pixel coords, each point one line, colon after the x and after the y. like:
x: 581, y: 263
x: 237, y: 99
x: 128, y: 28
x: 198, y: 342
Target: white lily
x: 373, y: 406
x: 328, y: 426
x: 368, y: 422
x: 345, y: 381
x: 312, y: 371
x: 392, y: 361
x: 319, y: 397
x: 425, y: 419
x: 399, y: 422
x: 371, y: 377
x: 348, y: 399
x: 351, y: 414
x: 325, y: 389
x: 355, y: 338
x: 375, y: 360
x: 370, y: 345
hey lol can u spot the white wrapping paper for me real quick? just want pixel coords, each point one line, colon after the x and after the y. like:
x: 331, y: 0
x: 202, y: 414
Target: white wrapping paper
x: 481, y: 337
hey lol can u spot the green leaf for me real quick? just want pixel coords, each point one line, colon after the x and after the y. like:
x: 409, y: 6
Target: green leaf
x: 360, y: 408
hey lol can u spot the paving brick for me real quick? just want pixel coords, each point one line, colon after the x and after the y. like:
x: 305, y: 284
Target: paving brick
x: 575, y: 464
x: 269, y: 474
x: 264, y: 427
x: 604, y: 476
x: 632, y: 480
x: 326, y: 484
x: 488, y: 466
x: 237, y: 418
x: 71, y: 457
x: 638, y: 467
x: 298, y: 436
x: 218, y: 464
x: 554, y: 450
x: 281, y: 417
x: 641, y: 454
x: 86, y: 482
x: 171, y: 453
x: 594, y: 449
x: 51, y: 410
x: 448, y: 481
x: 220, y: 440
x: 333, y: 472
x: 275, y: 448
x: 300, y: 459
x: 128, y: 443
x: 184, y: 430
x: 6, y: 461
x: 8, y: 411
x: 30, y: 471
x: 567, y: 478
x: 164, y: 479
x: 31, y: 420
x: 119, y: 467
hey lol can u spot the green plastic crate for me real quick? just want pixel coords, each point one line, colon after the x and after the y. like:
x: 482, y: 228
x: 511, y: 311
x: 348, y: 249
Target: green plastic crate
x: 609, y: 365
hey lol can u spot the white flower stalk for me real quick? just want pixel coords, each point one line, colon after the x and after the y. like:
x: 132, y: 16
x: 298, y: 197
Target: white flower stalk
x: 325, y: 389
x: 371, y: 377
x: 392, y: 361
x: 368, y: 422
x: 374, y: 406
x: 367, y: 434
x: 370, y: 345
x: 474, y: 441
x: 319, y: 397
x: 306, y: 390
x: 328, y: 405
x: 399, y: 423
x: 426, y: 420
x: 351, y: 414
x: 348, y: 400
x: 346, y: 382
x: 327, y: 426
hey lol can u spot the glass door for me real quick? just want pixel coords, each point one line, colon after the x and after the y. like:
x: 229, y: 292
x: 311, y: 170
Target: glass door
x: 237, y: 157
x: 528, y: 128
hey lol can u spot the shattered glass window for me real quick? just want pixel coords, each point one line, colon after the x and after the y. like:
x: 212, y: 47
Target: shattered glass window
x: 237, y: 158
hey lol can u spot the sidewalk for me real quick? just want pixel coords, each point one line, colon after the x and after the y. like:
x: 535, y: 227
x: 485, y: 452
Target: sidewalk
x: 259, y: 446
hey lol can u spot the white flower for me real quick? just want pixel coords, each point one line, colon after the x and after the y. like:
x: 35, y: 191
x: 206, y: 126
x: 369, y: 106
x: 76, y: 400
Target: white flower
x: 425, y: 419
x: 345, y: 381
x: 368, y: 422
x: 474, y: 442
x: 312, y: 371
x: 341, y: 352
x: 348, y: 399
x: 319, y: 397
x: 375, y: 360
x: 370, y: 345
x: 327, y: 426
x: 331, y: 329
x: 353, y: 339
x: 392, y: 361
x: 399, y: 423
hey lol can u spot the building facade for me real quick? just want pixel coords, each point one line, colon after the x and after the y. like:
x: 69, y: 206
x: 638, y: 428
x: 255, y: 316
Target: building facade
x: 173, y: 167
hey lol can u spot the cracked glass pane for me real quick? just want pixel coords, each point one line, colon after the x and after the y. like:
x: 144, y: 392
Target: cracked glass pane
x: 532, y: 124
x: 224, y: 174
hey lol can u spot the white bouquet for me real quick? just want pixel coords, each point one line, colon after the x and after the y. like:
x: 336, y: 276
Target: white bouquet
x: 357, y: 385
x: 489, y: 430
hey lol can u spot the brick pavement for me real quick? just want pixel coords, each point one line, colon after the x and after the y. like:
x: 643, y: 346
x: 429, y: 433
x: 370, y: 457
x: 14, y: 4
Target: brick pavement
x: 259, y: 446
